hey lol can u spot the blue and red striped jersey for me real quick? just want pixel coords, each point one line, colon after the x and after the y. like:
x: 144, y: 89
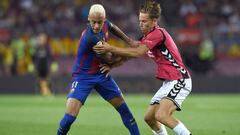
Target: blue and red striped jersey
x: 87, y: 62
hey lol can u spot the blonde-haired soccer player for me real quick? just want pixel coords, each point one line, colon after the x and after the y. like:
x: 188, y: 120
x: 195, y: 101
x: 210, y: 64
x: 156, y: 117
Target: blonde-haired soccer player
x: 87, y: 74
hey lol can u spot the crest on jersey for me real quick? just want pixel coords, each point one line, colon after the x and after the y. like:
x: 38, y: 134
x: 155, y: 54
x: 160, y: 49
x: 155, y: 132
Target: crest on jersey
x: 74, y: 85
x: 72, y: 90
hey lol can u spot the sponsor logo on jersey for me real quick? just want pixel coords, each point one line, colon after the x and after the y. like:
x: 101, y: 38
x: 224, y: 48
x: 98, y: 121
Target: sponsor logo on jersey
x: 150, y: 54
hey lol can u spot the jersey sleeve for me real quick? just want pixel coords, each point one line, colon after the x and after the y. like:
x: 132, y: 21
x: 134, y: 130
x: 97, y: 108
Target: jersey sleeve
x: 153, y: 40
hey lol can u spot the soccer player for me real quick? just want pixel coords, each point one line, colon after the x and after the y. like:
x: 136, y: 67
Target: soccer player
x: 87, y: 74
x: 177, y: 85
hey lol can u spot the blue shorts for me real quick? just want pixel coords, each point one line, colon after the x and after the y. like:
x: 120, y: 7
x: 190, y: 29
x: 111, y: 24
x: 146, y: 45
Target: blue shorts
x: 105, y: 86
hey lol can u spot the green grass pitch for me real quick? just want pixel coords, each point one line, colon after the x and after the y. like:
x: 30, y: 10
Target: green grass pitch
x: 36, y: 115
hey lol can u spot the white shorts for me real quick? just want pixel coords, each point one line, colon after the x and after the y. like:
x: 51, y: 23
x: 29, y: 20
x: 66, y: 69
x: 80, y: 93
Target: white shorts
x: 175, y: 90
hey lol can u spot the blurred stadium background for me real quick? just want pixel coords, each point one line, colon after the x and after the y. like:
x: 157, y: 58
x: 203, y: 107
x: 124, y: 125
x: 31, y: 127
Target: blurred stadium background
x: 207, y: 33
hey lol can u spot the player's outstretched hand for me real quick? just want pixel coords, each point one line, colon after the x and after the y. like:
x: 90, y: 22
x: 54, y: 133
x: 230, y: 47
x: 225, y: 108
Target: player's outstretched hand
x: 104, y: 68
x: 134, y: 43
x: 102, y: 48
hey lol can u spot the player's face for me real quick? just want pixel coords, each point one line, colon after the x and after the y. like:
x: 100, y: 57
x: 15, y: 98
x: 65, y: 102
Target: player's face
x: 146, y: 24
x: 96, y: 22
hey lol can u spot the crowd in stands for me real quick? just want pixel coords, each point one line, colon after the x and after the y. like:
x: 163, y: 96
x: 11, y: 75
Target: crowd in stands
x: 206, y: 31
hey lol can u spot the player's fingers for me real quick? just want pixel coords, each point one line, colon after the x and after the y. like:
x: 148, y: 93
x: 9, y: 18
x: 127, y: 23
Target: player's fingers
x: 104, y: 67
x: 107, y: 74
x: 101, y: 65
x: 96, y: 48
x: 98, y: 51
x: 107, y: 69
x: 104, y: 70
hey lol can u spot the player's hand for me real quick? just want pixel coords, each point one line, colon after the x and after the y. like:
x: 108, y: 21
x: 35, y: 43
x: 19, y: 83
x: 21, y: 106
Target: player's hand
x: 134, y: 43
x: 104, y: 68
x: 102, y: 48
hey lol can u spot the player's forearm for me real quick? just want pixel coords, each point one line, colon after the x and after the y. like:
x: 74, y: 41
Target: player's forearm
x: 119, y: 33
x: 126, y: 52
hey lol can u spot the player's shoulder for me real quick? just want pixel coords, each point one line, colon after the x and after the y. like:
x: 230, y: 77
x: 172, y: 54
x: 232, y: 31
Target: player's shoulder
x: 157, y: 32
x: 159, y: 29
x: 86, y: 31
x: 86, y: 35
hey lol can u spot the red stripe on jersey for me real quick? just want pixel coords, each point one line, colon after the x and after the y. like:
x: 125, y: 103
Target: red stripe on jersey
x: 81, y: 62
x: 94, y: 66
x: 105, y: 31
x: 105, y: 28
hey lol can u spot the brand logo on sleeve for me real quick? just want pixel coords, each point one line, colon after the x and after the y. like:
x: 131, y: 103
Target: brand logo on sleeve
x: 150, y: 54
x: 148, y: 41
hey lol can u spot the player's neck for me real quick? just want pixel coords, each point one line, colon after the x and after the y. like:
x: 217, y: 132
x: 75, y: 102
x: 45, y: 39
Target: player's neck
x: 149, y: 31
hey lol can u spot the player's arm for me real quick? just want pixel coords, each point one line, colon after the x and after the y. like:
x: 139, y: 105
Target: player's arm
x: 115, y: 30
x: 110, y: 58
x: 126, y: 52
x: 119, y: 33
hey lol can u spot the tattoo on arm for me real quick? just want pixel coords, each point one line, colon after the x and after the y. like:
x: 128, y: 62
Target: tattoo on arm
x: 119, y: 33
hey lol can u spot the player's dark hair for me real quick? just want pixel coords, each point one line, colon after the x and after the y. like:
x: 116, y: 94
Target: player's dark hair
x: 152, y: 8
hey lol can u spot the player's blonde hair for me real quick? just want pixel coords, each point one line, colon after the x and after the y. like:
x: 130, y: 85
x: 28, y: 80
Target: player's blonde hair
x: 97, y: 9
